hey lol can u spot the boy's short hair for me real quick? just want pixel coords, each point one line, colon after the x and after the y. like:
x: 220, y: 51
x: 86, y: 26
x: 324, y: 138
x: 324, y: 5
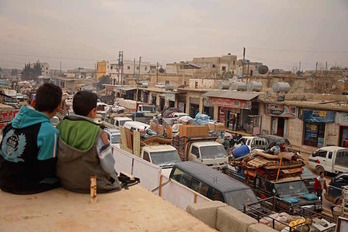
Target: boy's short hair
x: 48, y: 97
x: 84, y: 102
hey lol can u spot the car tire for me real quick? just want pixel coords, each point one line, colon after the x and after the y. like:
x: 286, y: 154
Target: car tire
x: 319, y: 169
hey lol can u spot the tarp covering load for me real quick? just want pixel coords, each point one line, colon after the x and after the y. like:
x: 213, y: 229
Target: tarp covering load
x: 272, y: 167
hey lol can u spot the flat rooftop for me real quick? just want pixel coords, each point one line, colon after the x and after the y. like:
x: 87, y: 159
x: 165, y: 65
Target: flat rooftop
x: 135, y: 209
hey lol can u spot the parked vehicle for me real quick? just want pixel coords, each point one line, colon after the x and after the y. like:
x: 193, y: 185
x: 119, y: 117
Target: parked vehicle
x: 213, y: 184
x: 165, y: 156
x: 179, y: 115
x: 54, y: 121
x: 330, y: 159
x: 292, y: 193
x: 114, y: 136
x: 334, y: 189
x: 203, y: 150
x: 120, y: 121
x: 253, y: 142
x: 138, y: 126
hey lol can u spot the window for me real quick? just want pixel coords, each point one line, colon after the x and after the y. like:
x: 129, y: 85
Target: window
x: 234, y: 62
x: 128, y: 67
x: 137, y: 67
x: 196, y: 84
x: 330, y: 155
x: 320, y: 154
x: 213, y: 66
x: 145, y: 68
x: 182, y: 177
x: 217, y: 196
x: 146, y: 156
x: 223, y: 69
x: 195, y: 151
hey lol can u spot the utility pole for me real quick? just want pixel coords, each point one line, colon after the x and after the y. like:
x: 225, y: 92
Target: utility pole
x: 299, y: 70
x: 316, y: 66
x: 326, y: 66
x: 243, y: 62
x: 134, y: 69
x: 157, y: 73
x: 136, y: 95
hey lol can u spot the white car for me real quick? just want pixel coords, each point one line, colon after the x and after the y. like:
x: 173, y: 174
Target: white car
x: 114, y: 137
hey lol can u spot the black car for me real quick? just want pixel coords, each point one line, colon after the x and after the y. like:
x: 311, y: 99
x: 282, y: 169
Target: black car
x: 334, y: 190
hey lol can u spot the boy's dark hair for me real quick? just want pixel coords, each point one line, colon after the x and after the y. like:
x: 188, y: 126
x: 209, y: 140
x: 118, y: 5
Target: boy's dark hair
x: 48, y: 97
x: 321, y: 172
x: 84, y: 102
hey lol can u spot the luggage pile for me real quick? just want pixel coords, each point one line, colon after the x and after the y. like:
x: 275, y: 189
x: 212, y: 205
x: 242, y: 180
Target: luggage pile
x: 271, y: 167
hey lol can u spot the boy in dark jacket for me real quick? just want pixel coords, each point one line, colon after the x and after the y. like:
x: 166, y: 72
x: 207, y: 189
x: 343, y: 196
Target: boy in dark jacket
x: 84, y: 149
x: 28, y: 152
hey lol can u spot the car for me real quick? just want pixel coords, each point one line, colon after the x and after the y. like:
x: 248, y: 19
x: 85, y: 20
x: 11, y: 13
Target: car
x: 54, y: 121
x: 114, y: 136
x: 272, y: 139
x: 334, y: 189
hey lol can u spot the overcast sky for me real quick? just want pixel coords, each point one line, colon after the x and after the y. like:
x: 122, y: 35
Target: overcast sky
x: 78, y: 33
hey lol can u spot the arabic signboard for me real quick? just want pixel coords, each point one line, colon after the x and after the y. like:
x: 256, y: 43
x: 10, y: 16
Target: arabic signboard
x: 280, y: 110
x: 6, y: 117
x: 230, y: 103
x: 317, y: 116
x: 342, y: 119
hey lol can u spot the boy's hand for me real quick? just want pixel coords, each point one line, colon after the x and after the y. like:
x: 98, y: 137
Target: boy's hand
x: 104, y: 138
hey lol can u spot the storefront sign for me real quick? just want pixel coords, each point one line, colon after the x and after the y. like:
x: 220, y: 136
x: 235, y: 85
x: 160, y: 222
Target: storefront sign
x: 170, y: 97
x: 6, y: 117
x: 280, y: 111
x: 230, y: 103
x: 342, y: 119
x: 317, y: 116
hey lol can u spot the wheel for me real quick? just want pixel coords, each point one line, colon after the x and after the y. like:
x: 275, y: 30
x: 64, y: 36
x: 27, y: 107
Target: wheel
x: 319, y: 169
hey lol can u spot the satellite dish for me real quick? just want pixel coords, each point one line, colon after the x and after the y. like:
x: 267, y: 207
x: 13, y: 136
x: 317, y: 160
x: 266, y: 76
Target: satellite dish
x: 263, y: 69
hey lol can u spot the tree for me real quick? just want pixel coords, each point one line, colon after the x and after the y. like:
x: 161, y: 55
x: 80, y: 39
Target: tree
x: 29, y: 73
x: 103, y: 80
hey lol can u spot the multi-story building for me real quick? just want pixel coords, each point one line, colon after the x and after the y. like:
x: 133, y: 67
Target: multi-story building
x: 102, y: 69
x: 81, y: 73
x: 44, y: 68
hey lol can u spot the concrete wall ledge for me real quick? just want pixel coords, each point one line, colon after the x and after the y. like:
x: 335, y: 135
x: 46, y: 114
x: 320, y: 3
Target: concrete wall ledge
x: 260, y: 228
x: 206, y: 212
x: 231, y: 219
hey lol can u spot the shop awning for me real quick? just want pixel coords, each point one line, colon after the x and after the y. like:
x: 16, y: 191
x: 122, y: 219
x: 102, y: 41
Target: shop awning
x: 231, y: 95
x: 125, y: 88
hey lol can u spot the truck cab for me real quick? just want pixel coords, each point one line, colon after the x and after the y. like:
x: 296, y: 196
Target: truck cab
x: 208, y: 153
x: 120, y: 121
x: 330, y: 159
x: 148, y: 110
x: 164, y: 156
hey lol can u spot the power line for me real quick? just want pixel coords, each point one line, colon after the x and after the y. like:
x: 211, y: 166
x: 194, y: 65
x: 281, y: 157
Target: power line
x: 298, y: 51
x: 48, y: 57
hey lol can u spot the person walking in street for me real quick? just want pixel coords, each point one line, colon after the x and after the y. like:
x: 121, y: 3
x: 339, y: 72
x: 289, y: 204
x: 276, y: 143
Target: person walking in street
x: 320, y: 185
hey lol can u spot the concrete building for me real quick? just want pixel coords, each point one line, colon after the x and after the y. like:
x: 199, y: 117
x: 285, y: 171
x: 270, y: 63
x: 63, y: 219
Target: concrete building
x: 81, y: 73
x: 102, y: 69
x: 44, y: 68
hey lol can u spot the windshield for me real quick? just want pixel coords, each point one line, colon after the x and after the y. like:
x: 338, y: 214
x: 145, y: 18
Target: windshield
x: 149, y: 109
x: 239, y: 198
x: 115, y: 139
x: 122, y: 122
x: 291, y: 188
x: 165, y: 158
x: 212, y: 152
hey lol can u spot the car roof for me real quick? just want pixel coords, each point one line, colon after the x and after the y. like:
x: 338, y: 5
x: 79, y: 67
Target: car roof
x: 122, y: 118
x: 331, y: 148
x: 159, y: 148
x: 212, y: 177
x: 206, y: 144
x: 112, y: 130
x: 135, y: 123
x: 307, y: 174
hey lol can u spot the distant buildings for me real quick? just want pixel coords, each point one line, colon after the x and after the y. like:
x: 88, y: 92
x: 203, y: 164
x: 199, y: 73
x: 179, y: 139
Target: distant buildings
x: 44, y: 68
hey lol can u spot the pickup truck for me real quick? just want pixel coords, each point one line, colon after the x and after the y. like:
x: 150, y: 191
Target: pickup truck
x: 201, y: 149
x: 330, y: 159
x: 334, y: 189
x: 164, y: 156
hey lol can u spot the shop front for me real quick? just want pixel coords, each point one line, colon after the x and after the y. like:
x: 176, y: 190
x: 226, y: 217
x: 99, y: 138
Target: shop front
x: 342, y: 120
x: 233, y: 108
x: 314, y: 126
x: 280, y: 114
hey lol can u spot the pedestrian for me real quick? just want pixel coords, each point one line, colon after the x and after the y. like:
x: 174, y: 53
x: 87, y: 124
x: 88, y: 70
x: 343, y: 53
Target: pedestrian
x: 84, y: 149
x: 320, y: 185
x: 28, y: 152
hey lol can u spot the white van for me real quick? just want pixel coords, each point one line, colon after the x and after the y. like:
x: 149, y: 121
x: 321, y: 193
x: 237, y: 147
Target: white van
x: 134, y: 125
x: 331, y: 159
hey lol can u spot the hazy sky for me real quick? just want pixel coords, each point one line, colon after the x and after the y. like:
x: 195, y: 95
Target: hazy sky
x: 80, y: 32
